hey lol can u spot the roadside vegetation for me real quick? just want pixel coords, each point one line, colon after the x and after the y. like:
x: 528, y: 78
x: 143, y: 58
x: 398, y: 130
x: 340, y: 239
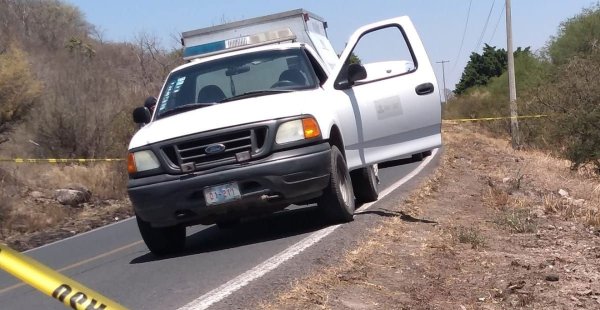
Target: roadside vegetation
x: 66, y: 92
x: 557, y: 81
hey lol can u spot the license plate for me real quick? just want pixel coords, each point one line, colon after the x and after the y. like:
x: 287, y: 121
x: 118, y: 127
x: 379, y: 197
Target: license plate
x: 223, y: 193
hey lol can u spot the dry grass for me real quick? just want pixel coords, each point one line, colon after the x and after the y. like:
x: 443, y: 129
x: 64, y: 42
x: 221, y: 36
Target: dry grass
x: 105, y: 180
x: 5, y: 207
x: 25, y: 214
x: 517, y: 220
x: 28, y: 219
x: 469, y: 235
x: 513, y: 188
x: 572, y: 209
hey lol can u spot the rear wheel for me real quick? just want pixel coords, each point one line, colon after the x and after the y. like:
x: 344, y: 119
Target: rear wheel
x: 162, y: 240
x: 364, y: 183
x: 421, y: 156
x: 338, y: 199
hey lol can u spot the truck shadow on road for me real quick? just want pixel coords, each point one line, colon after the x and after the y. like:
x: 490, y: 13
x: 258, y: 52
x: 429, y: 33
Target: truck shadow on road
x: 280, y: 225
x: 389, y: 213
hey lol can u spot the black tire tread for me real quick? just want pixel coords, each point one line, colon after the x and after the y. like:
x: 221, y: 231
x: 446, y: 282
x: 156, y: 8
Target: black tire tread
x: 164, y: 240
x: 331, y: 202
x: 363, y: 187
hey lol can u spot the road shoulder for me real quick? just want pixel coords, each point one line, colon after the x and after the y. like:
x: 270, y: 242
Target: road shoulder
x: 491, y: 229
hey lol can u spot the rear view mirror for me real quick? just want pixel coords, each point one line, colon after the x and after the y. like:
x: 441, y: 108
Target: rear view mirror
x: 237, y: 70
x: 141, y: 115
x: 349, y: 75
x: 356, y: 72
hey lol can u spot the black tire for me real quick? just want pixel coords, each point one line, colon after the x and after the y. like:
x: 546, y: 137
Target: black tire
x: 337, y: 200
x: 162, y: 240
x: 417, y: 157
x: 421, y: 156
x: 364, y: 183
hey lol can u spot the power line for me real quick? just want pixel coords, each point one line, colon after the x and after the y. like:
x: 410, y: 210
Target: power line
x: 498, y: 22
x: 463, y: 37
x: 487, y: 21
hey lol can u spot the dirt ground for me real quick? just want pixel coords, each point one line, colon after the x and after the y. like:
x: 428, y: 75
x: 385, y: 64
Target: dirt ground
x: 493, y: 229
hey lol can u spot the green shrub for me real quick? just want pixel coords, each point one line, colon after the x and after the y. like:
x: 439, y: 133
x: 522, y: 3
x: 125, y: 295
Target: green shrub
x: 573, y: 99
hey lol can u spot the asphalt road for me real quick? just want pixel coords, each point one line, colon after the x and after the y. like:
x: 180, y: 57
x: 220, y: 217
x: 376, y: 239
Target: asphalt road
x: 220, y: 269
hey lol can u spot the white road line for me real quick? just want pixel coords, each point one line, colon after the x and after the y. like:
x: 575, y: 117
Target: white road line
x: 221, y: 292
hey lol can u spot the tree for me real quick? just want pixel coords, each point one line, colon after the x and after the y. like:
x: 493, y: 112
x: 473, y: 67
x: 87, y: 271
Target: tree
x: 354, y: 59
x: 573, y: 99
x: 40, y: 24
x: 19, y: 90
x: 576, y: 36
x: 491, y: 100
x: 154, y: 63
x: 481, y: 68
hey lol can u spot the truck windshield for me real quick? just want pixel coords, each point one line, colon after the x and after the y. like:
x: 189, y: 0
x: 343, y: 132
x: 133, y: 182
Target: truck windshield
x: 236, y: 77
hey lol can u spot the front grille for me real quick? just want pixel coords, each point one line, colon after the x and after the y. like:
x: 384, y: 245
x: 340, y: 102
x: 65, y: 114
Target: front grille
x: 193, y: 151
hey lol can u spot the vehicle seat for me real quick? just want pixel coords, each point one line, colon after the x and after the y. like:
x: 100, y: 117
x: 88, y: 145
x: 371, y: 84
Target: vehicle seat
x: 210, y: 93
x: 293, y: 75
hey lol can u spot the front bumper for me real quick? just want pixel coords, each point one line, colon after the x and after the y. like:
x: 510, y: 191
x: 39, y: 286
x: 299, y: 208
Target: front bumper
x: 274, y: 182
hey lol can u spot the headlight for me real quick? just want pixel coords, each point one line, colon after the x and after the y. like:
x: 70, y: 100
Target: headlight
x: 141, y: 161
x: 296, y: 130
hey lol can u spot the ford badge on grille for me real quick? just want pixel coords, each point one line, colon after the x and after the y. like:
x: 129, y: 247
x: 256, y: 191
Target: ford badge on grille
x: 215, y: 148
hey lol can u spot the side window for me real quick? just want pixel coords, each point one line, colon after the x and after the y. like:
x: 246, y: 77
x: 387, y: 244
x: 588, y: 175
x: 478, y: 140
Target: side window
x: 318, y: 70
x: 384, y: 53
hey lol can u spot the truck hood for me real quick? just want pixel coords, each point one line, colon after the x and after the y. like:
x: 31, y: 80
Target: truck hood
x: 223, y: 115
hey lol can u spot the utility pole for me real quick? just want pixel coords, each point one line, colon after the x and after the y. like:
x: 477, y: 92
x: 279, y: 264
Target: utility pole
x: 514, y: 122
x: 444, y: 78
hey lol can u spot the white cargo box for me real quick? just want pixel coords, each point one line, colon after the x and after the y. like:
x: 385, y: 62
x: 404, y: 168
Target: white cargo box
x: 297, y: 25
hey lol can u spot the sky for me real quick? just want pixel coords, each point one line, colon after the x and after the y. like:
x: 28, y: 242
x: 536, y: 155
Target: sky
x: 440, y: 23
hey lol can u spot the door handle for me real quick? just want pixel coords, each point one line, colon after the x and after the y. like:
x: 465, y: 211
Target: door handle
x: 424, y: 89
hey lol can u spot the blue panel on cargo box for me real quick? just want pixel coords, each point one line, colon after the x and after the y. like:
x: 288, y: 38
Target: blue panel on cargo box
x: 204, y: 49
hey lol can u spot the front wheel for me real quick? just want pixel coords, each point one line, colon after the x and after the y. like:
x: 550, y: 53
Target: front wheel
x: 162, y: 240
x: 337, y: 200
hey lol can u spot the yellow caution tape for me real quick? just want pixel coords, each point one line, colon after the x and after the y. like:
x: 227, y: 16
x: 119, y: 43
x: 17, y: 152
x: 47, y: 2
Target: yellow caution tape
x: 59, y: 160
x: 89, y: 160
x: 68, y: 291
x: 493, y: 118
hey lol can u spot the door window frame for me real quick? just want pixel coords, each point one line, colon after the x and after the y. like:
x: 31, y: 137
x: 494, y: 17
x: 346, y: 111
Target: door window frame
x: 408, y: 46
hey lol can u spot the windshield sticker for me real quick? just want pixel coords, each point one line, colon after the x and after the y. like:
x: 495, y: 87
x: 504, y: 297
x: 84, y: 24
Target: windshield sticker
x: 178, y: 84
x: 165, y: 98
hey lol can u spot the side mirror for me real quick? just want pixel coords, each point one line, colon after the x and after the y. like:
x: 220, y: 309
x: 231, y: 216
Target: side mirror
x: 141, y: 115
x: 356, y: 72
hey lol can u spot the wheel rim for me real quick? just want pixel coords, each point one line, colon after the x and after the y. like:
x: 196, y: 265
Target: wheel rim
x: 343, y: 183
x: 374, y: 175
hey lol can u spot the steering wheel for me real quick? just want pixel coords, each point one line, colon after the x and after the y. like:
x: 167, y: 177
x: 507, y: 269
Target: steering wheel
x: 283, y: 83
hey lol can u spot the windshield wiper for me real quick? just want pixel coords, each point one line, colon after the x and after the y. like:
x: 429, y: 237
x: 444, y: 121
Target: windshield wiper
x: 256, y: 93
x: 185, y: 107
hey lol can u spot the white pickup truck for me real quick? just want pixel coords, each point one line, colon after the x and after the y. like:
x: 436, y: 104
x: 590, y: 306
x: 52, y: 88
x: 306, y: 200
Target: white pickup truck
x: 265, y: 114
